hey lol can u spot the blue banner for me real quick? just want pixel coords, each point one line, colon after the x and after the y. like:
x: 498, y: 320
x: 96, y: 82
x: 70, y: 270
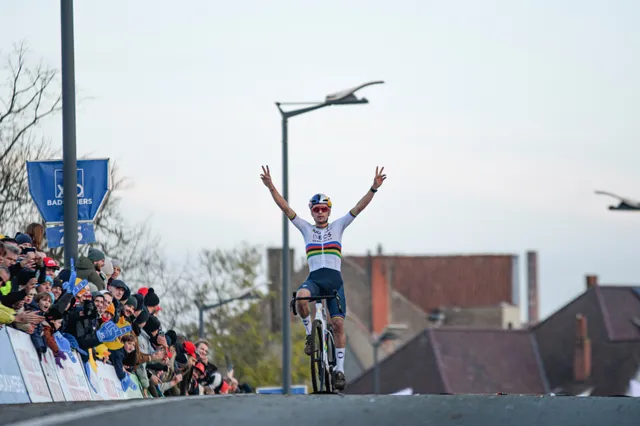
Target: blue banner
x: 12, y: 388
x: 55, y: 234
x: 46, y: 188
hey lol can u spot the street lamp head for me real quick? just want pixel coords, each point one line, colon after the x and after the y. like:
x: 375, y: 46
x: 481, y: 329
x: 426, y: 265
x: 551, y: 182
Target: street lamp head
x: 348, y: 95
x: 625, y: 203
x: 391, y: 332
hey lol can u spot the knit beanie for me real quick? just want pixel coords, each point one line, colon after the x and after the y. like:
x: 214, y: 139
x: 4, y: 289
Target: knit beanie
x: 151, y: 299
x: 143, y: 317
x: 95, y: 255
x: 132, y: 301
x: 153, y: 324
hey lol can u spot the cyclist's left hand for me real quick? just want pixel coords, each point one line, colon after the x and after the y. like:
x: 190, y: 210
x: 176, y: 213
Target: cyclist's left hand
x: 377, y: 181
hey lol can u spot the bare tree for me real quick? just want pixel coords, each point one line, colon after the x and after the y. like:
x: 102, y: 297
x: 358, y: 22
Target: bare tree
x: 28, y: 95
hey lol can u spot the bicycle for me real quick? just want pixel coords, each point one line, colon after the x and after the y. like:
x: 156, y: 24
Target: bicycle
x: 323, y: 349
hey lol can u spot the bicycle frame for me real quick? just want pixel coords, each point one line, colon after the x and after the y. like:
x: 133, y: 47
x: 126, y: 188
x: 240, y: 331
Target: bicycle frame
x: 321, y: 316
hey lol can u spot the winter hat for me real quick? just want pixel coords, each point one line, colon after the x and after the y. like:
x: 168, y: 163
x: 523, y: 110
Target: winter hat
x: 151, y: 299
x: 116, y: 264
x: 118, y: 284
x: 111, y: 309
x: 132, y: 301
x: 200, y: 366
x: 142, y: 318
x: 153, y: 324
x: 57, y: 283
x: 23, y: 239
x: 189, y: 348
x: 95, y: 255
x: 181, y: 361
x: 107, y: 268
x: 143, y: 291
x: 139, y: 301
x: 173, y: 336
x: 64, y: 275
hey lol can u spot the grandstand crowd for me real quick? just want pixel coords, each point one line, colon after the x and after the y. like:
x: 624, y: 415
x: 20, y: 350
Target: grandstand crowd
x: 86, y: 308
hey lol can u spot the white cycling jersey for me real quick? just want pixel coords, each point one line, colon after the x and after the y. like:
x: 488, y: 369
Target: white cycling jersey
x: 323, y: 245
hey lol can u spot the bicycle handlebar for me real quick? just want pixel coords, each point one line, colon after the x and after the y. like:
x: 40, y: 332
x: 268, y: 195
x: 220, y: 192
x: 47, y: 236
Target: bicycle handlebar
x: 335, y: 295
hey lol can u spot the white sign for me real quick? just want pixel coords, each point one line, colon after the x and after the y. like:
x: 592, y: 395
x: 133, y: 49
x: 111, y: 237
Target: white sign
x: 29, y: 366
x: 49, y: 366
x: 73, y: 381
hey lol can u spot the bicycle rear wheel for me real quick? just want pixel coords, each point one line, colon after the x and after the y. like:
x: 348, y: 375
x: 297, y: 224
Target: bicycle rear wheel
x: 331, y: 358
x: 318, y: 372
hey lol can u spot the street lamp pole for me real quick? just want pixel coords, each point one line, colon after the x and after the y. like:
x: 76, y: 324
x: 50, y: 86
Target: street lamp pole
x: 345, y: 97
x: 69, y: 157
x: 390, y: 332
x: 376, y: 369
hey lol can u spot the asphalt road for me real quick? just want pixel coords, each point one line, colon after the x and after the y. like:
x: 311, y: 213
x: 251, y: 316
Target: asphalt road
x: 334, y: 410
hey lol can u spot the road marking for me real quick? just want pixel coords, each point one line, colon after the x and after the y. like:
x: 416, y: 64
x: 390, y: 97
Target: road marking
x: 56, y: 419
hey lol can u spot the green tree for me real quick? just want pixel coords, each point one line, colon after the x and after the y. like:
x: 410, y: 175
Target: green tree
x: 238, y: 331
x: 256, y: 353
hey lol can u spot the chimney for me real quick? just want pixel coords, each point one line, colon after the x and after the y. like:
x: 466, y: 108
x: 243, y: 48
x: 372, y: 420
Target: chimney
x: 380, y: 295
x: 532, y: 287
x: 379, y: 249
x: 592, y: 281
x: 582, y: 351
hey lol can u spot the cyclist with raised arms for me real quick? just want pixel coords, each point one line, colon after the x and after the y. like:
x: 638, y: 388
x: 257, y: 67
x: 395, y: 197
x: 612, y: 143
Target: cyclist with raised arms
x: 323, y: 242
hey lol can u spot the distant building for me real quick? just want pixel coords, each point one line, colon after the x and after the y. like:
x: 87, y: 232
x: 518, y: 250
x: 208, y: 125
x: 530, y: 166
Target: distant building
x: 472, y: 291
x: 591, y: 346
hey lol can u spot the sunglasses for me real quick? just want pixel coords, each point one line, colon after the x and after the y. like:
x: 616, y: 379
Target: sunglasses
x: 320, y: 209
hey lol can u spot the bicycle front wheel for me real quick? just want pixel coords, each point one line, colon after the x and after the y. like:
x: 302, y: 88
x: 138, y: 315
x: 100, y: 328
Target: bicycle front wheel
x: 318, y: 373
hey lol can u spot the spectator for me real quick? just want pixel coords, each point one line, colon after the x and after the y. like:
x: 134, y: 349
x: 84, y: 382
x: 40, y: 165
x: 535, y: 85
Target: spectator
x: 89, y: 268
x: 38, y: 298
x: 51, y: 266
x: 35, y: 231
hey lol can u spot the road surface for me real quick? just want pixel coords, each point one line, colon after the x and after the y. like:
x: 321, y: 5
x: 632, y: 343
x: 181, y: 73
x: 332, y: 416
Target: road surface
x: 334, y: 410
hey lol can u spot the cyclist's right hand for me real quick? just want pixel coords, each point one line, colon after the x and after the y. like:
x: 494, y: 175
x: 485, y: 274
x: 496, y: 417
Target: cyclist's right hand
x: 266, y: 177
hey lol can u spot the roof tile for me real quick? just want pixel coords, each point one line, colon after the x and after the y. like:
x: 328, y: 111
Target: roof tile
x: 465, y: 281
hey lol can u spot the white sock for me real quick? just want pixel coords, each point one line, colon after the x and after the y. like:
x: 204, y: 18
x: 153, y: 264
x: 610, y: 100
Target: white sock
x: 340, y: 354
x: 307, y: 324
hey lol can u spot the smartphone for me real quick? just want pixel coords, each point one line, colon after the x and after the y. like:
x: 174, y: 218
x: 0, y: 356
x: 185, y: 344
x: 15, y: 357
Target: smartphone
x: 37, y: 277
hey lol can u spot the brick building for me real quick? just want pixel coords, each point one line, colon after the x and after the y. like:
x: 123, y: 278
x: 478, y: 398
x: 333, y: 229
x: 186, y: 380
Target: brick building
x: 480, y: 290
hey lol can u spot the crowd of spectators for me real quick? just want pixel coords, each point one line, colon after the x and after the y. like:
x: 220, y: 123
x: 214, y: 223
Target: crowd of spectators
x: 88, y: 307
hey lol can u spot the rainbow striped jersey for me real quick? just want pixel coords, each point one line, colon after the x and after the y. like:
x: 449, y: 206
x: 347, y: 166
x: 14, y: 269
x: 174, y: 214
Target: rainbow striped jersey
x: 323, y: 245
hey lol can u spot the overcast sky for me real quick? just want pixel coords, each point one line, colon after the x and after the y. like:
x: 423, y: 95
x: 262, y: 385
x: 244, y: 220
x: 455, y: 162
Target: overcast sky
x: 497, y: 121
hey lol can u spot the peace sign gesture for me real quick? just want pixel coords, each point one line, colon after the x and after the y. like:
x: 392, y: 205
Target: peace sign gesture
x: 377, y: 181
x: 266, y: 177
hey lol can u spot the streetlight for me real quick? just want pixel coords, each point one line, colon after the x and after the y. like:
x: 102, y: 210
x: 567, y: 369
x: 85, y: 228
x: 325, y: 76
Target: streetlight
x: 69, y: 159
x: 390, y: 332
x: 247, y: 295
x: 625, y: 203
x: 344, y: 97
